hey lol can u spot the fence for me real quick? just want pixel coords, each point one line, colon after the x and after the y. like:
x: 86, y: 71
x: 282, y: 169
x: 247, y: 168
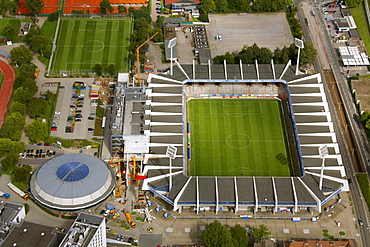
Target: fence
x: 97, y: 17
x: 78, y: 73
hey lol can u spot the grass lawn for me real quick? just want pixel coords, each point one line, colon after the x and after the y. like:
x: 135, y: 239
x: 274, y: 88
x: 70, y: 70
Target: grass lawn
x: 90, y: 42
x: 16, y: 23
x: 237, y: 137
x: 358, y: 14
x: 1, y: 79
x: 48, y: 29
x: 363, y: 181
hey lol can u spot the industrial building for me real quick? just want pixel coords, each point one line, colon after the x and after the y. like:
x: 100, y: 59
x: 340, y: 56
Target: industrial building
x: 72, y: 181
x: 153, y: 125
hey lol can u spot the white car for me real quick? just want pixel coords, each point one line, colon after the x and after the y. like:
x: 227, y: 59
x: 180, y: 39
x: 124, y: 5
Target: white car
x: 56, y: 118
x: 57, y: 112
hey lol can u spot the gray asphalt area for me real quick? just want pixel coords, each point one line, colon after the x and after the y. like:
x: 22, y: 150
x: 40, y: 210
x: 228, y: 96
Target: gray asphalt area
x: 269, y: 30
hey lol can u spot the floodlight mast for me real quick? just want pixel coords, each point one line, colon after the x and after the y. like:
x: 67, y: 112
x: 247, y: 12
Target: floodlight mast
x: 170, y: 45
x: 137, y: 62
x: 298, y: 43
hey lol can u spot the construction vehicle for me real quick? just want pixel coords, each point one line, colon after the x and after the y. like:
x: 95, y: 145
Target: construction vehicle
x: 5, y: 195
x: 16, y: 190
x: 129, y: 219
x: 137, y: 62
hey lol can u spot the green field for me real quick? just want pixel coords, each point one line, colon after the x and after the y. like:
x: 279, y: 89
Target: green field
x: 237, y: 137
x: 83, y: 43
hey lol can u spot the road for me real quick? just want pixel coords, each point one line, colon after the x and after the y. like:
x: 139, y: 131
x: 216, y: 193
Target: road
x: 327, y: 57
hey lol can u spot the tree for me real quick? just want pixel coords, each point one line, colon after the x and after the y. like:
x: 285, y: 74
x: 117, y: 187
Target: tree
x: 159, y: 37
x: 239, y: 235
x: 34, y: 30
x: 39, y: 43
x: 353, y: 3
x: 98, y: 69
x: 14, y: 122
x: 21, y: 55
x: 17, y: 107
x: 159, y: 22
x: 21, y: 95
x: 207, y: 6
x: 37, y: 130
x: 265, y: 56
x: 7, y: 146
x: 9, y: 31
x: 105, y: 6
x: 261, y: 232
x: 222, y: 6
x: 36, y: 107
x: 35, y: 6
x: 364, y: 117
x: 12, y: 7
x: 30, y: 86
x: 22, y: 174
x: 218, y: 235
x: 308, y: 53
x: 111, y: 69
x: 122, y: 9
x: 11, y: 159
x: 238, y: 5
x: 53, y: 16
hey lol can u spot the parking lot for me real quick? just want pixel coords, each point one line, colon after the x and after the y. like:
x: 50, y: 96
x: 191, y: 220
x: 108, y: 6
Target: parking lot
x: 74, y: 115
x: 238, y: 30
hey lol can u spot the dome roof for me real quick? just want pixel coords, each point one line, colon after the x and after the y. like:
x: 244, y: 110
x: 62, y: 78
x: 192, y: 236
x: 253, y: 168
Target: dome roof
x: 72, y: 181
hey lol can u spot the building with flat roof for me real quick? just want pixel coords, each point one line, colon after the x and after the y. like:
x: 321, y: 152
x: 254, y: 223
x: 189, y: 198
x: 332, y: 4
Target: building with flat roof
x: 11, y: 214
x: 87, y: 230
x: 33, y: 234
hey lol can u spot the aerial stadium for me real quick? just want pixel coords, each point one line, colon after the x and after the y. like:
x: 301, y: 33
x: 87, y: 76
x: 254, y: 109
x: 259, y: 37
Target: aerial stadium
x: 232, y: 137
x: 71, y: 182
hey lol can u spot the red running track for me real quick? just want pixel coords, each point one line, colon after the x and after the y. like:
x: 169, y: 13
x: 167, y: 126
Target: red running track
x: 6, y: 89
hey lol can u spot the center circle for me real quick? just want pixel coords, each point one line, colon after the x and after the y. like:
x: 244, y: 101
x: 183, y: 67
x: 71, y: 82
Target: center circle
x: 72, y: 171
x: 238, y: 141
x: 93, y: 45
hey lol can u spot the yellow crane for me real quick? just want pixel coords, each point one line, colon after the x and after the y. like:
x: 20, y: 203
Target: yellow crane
x: 137, y: 62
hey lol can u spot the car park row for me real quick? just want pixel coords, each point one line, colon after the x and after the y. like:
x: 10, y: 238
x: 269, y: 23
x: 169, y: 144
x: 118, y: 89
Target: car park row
x: 37, y: 153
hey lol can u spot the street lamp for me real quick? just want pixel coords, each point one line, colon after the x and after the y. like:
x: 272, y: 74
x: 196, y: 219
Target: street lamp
x: 298, y: 43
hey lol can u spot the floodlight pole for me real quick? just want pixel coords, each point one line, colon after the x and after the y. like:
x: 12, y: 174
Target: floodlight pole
x: 170, y: 184
x: 171, y: 61
x: 299, y: 53
x: 322, y: 172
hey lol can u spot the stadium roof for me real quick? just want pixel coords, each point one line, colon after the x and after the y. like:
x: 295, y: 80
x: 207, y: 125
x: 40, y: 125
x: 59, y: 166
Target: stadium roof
x: 313, y: 125
x: 72, y: 181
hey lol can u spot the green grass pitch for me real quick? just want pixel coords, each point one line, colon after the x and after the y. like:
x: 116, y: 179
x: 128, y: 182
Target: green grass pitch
x: 83, y: 43
x: 237, y: 137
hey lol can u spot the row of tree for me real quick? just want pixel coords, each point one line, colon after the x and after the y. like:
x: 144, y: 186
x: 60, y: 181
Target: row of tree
x: 263, y: 55
x: 216, y: 235
x: 237, y: 6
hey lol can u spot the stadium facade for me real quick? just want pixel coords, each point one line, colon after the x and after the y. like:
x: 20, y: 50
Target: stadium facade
x: 72, y: 181
x: 154, y: 125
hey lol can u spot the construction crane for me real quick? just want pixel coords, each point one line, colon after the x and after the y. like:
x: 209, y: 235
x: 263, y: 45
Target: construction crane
x: 114, y: 156
x: 137, y: 62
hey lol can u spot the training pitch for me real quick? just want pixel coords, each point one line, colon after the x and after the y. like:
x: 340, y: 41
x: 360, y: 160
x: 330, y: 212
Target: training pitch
x: 237, y: 137
x: 83, y: 43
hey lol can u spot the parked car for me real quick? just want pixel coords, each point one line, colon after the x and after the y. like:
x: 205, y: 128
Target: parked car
x: 80, y: 105
x: 90, y: 118
x: 78, y: 111
x: 78, y: 119
x: 57, y: 112
x: 78, y: 115
x: 90, y: 129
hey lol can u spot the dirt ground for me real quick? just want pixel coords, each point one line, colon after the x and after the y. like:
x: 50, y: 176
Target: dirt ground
x: 269, y: 30
x: 362, y: 87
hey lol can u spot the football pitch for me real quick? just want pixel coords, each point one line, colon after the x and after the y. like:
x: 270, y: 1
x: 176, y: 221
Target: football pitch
x: 83, y: 43
x: 237, y: 137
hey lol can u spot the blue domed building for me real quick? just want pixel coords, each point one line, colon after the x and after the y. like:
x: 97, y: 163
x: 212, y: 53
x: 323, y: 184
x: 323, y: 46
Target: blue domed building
x: 72, y: 181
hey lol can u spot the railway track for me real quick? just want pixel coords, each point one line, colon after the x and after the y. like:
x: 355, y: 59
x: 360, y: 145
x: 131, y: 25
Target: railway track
x: 339, y: 108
